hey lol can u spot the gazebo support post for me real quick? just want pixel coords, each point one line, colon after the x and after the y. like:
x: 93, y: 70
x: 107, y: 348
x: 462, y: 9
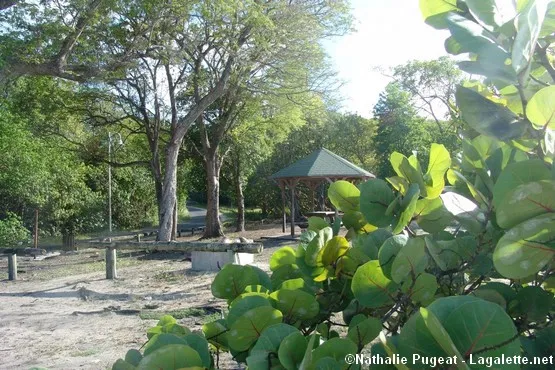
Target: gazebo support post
x: 283, y: 201
x: 292, y: 185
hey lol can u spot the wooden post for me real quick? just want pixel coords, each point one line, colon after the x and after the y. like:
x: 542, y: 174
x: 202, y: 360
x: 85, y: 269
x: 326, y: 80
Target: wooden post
x: 111, y: 272
x: 12, y: 266
x: 284, y: 203
x: 36, y: 236
x: 138, y: 238
x: 292, y: 185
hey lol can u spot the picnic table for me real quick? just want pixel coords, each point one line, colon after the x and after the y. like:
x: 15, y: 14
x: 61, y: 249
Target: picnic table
x: 322, y: 214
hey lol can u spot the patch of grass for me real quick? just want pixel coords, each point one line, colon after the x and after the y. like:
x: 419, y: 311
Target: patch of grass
x: 179, y: 314
x: 78, y: 267
x: 85, y: 353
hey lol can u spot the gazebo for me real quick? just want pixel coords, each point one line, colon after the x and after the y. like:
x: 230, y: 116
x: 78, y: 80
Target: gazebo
x: 318, y: 167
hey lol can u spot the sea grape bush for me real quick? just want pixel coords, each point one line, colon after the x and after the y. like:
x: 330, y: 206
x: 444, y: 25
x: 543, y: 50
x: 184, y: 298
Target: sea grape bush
x: 452, y: 261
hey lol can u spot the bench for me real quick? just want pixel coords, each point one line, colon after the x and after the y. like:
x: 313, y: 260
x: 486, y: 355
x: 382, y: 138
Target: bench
x: 192, y: 230
x: 204, y: 257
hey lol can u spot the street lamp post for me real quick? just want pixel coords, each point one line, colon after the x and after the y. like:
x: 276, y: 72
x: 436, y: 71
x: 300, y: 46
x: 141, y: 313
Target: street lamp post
x: 120, y: 142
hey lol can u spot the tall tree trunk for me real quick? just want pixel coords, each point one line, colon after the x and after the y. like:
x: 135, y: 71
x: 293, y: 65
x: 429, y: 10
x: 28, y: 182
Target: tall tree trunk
x: 240, y: 196
x: 213, y: 224
x: 159, y: 196
x: 169, y: 194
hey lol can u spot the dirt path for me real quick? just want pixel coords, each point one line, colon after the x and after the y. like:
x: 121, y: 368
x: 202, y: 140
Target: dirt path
x: 63, y: 314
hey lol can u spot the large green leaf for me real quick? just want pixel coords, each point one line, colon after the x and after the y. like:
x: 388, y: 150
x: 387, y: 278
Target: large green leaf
x: 439, y: 163
x: 264, y: 354
x: 161, y: 340
x: 529, y: 24
x: 492, y: 13
x: 456, y: 177
x: 423, y: 289
x: 449, y: 254
x: 357, y: 222
x: 281, y: 257
x: 326, y: 363
x: 243, y: 304
x: 409, y: 169
x: 516, y: 174
x: 432, y: 216
x: 442, y: 337
x: 247, y: 329
x: 292, y: 349
x: 389, y: 251
x: 295, y: 304
x: 530, y: 199
x: 216, y: 333
x: 118, y: 365
x: 363, y: 330
x: 526, y: 248
x: 199, y: 344
x: 232, y: 280
x: 541, y: 108
x: 500, y: 72
x: 337, y: 348
x: 470, y: 324
x: 487, y: 117
x: 171, y: 357
x: 399, y: 183
x: 408, y: 208
x: 465, y: 211
x: 316, y: 223
x: 435, y: 11
x: 410, y: 261
x: 335, y: 248
x: 375, y: 197
x: 371, y: 243
x: 313, y: 253
x: 477, y: 325
x: 473, y: 38
x: 534, y: 303
x: 133, y: 357
x: 344, y: 196
x: 349, y: 262
x: 299, y: 284
x: 371, y: 287
x: 285, y: 272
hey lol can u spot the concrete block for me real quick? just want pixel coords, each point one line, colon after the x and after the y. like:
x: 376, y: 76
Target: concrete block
x: 214, y: 261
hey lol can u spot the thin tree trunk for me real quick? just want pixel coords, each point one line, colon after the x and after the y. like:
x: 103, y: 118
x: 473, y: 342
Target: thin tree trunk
x: 213, y: 224
x: 239, y: 193
x: 68, y: 241
x: 240, y: 200
x: 169, y: 194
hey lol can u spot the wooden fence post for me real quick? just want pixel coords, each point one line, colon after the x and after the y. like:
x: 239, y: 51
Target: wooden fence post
x: 111, y: 272
x: 12, y: 266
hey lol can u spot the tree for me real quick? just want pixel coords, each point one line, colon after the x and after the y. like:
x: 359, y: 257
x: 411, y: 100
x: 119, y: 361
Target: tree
x: 283, y: 62
x: 432, y: 85
x: 401, y: 129
x: 62, y: 41
x: 38, y: 172
x: 352, y: 137
x: 265, y: 124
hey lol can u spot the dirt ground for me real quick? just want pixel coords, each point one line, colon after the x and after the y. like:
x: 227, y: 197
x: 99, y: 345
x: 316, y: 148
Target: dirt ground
x: 63, y: 314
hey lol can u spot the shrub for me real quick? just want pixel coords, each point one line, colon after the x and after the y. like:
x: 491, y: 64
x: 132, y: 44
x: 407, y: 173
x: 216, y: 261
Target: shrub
x: 12, y: 232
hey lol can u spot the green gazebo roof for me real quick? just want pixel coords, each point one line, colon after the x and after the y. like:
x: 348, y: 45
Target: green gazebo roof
x: 322, y: 164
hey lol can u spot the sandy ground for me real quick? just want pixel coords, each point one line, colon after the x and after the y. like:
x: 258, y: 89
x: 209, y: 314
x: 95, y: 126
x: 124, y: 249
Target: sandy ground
x: 63, y: 314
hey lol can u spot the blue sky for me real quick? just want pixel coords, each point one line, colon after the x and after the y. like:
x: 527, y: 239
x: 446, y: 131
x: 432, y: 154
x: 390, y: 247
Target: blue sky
x: 388, y: 33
